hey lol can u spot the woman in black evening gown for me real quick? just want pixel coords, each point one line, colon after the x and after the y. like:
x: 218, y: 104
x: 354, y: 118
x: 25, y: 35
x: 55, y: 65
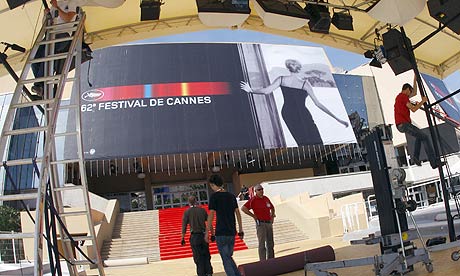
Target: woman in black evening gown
x: 296, y: 88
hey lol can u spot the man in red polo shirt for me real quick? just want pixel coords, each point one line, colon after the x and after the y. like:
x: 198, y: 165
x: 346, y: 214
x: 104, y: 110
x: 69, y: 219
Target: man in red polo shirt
x: 263, y: 213
x: 404, y: 124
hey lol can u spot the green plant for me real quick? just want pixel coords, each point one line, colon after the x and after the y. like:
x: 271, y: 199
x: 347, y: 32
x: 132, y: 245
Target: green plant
x: 10, y: 219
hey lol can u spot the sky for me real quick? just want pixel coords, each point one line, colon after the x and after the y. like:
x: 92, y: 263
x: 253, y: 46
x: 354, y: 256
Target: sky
x: 341, y: 60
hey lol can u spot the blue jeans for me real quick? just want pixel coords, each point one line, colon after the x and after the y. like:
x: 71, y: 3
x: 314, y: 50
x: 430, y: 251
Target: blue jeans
x: 225, y: 244
x: 420, y: 137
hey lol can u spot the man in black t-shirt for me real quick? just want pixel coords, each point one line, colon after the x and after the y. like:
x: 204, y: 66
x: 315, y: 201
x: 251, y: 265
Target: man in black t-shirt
x: 223, y: 205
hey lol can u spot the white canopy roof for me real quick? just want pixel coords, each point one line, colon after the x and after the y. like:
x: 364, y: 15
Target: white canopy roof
x: 439, y: 56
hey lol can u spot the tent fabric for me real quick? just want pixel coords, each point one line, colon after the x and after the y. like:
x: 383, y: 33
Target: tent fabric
x: 439, y: 56
x: 396, y: 11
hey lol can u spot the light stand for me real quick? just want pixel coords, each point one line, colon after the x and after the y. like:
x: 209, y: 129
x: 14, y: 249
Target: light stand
x: 434, y: 137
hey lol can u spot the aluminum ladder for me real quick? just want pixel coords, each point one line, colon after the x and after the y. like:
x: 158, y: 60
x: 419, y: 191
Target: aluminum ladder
x: 51, y: 166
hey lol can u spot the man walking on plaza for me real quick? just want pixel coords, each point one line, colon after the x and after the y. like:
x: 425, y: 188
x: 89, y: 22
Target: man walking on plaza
x: 196, y: 217
x: 263, y: 213
x: 404, y: 124
x: 223, y: 204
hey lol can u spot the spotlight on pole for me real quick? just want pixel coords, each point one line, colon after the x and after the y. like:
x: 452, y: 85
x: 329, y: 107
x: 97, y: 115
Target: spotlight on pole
x: 14, y: 47
x: 377, y: 55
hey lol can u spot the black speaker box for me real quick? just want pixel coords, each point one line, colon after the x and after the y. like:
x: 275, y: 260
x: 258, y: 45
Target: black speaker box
x: 396, y: 52
x: 445, y: 11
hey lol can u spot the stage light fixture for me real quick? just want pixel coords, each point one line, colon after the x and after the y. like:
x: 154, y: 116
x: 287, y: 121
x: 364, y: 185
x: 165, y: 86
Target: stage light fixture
x: 223, y: 13
x: 377, y: 55
x: 320, y: 19
x: 342, y: 20
x: 150, y: 9
x: 281, y: 14
x: 16, y: 3
x: 446, y: 12
x: 375, y: 63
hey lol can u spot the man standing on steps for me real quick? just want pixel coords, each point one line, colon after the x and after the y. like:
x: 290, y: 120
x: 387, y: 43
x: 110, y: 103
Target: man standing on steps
x: 263, y: 212
x: 196, y: 217
x: 223, y: 205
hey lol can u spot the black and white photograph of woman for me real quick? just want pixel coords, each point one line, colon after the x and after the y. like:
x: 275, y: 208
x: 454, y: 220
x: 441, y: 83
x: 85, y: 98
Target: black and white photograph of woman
x: 306, y: 97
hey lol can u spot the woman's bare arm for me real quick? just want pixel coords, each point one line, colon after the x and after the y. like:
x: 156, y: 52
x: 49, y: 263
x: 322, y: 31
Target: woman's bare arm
x: 326, y: 110
x: 265, y: 90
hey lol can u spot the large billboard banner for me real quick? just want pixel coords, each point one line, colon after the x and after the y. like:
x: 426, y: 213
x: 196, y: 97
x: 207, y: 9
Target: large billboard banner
x: 141, y: 100
x: 439, y: 91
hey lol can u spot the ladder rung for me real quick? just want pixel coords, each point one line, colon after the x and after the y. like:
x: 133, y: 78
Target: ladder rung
x: 69, y: 106
x: 83, y: 262
x: 25, y: 130
x: 62, y: 25
x: 16, y: 236
x: 16, y: 197
x: 63, y: 134
x: 68, y: 188
x: 63, y: 30
x: 56, y: 40
x: 32, y: 103
x: 75, y: 213
x: 54, y: 81
x: 18, y: 162
x: 67, y: 161
x: 49, y: 58
x: 49, y: 78
x: 79, y: 238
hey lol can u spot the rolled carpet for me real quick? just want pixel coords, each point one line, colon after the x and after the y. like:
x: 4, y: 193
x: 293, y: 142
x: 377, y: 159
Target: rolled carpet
x: 289, y: 263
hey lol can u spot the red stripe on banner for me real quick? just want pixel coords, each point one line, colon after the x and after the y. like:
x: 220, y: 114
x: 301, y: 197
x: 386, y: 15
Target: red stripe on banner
x: 161, y: 90
x: 122, y: 92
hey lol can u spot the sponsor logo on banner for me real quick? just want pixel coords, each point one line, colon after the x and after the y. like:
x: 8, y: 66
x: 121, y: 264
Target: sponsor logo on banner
x: 92, y: 95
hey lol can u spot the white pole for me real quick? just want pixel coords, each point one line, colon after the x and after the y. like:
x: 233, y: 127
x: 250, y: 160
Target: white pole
x: 14, y: 249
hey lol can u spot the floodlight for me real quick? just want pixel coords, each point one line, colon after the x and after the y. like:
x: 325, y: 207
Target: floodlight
x: 150, y: 9
x: 377, y: 55
x: 223, y: 13
x: 342, y: 20
x: 375, y: 63
x: 320, y: 19
x: 281, y: 15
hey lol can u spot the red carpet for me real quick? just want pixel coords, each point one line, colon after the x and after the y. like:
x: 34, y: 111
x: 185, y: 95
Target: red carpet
x: 170, y: 235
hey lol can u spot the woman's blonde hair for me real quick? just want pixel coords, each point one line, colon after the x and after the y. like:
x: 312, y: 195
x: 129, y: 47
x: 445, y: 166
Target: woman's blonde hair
x: 293, y: 65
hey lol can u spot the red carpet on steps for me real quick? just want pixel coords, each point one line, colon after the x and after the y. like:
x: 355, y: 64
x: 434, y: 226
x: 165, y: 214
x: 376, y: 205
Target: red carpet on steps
x: 170, y: 235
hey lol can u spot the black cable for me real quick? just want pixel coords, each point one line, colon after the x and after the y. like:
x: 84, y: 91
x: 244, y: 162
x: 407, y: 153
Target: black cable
x: 87, y: 75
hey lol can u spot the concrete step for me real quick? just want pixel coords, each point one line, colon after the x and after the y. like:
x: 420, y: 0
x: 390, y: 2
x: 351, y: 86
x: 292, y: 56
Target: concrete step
x: 130, y: 244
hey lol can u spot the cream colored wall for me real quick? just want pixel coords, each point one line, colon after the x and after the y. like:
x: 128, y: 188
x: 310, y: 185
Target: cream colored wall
x: 252, y: 179
x: 318, y: 217
x: 7, y: 84
x: 77, y: 225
